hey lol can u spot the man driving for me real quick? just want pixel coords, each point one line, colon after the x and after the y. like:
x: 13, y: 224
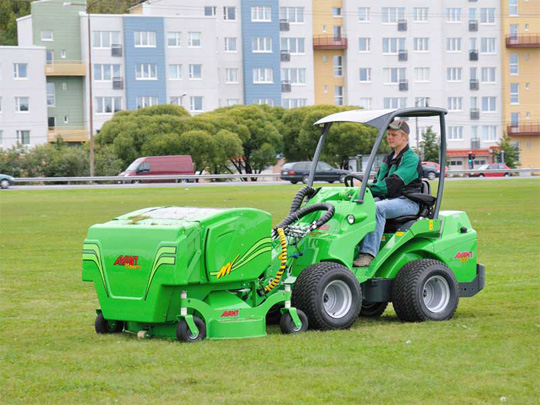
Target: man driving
x: 399, y: 175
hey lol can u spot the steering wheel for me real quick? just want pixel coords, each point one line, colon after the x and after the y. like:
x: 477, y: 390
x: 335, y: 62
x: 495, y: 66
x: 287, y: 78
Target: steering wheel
x: 350, y: 177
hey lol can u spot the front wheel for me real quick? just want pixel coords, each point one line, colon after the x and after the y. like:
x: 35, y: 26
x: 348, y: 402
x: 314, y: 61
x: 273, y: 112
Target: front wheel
x: 287, y: 326
x: 103, y: 325
x: 183, y: 333
x: 4, y: 184
x: 329, y: 294
x: 294, y: 181
x: 481, y: 175
x: 342, y: 179
x: 507, y: 175
x: 305, y: 179
x: 425, y: 290
x: 431, y: 176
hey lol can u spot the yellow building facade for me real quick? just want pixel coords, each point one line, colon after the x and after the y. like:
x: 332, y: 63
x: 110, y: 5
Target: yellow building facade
x: 521, y: 77
x: 329, y: 44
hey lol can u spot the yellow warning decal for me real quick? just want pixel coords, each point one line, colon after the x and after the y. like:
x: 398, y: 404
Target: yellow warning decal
x: 400, y: 233
x: 430, y: 224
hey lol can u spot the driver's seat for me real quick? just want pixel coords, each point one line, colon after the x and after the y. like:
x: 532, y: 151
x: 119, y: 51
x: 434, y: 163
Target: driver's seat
x: 426, y: 202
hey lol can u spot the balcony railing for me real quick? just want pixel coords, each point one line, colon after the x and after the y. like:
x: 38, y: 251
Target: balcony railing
x: 118, y: 83
x: 474, y: 84
x: 285, y: 86
x: 473, y: 25
x: 403, y: 85
x: 68, y: 134
x: 116, y: 50
x: 65, y: 68
x: 402, y: 55
x: 285, y: 56
x: 329, y: 42
x: 402, y: 25
x: 475, y: 114
x: 473, y: 54
x: 523, y: 129
x: 523, y: 41
x: 284, y: 25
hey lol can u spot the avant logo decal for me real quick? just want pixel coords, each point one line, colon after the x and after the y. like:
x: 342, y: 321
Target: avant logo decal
x: 463, y: 256
x: 231, y: 313
x: 129, y: 262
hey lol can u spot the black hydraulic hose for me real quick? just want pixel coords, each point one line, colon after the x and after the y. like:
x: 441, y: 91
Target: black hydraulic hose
x: 299, y: 197
x: 295, y: 216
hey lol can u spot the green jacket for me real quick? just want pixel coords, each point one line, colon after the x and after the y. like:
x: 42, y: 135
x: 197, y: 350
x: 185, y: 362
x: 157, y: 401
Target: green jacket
x: 398, y: 175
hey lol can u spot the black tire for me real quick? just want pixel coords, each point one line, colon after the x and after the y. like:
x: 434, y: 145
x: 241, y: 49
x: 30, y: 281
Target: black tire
x: 330, y: 181
x: 305, y: 179
x: 310, y: 295
x: 431, y: 176
x: 294, y: 181
x: 373, y: 309
x: 286, y: 323
x: 183, y: 333
x: 410, y: 291
x: 342, y: 178
x: 481, y: 175
x: 273, y: 316
x: 507, y: 175
x: 102, y: 325
x: 4, y: 184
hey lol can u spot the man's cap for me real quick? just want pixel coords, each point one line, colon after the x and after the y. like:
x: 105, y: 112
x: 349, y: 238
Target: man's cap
x: 400, y: 124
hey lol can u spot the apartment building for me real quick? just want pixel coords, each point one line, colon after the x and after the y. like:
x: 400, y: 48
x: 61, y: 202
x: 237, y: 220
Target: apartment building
x: 520, y: 59
x: 23, y: 103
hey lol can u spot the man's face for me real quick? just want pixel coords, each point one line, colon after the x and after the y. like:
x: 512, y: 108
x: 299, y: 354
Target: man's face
x: 396, y: 138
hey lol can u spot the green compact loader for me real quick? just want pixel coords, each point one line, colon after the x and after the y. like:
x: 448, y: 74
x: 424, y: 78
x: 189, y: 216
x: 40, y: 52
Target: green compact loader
x: 196, y: 273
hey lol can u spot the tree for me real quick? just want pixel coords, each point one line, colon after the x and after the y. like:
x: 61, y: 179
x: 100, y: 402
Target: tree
x: 430, y: 146
x: 511, y: 152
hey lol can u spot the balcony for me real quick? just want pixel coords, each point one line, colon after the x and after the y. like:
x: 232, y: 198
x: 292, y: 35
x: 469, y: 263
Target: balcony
x: 402, y: 55
x: 68, y: 134
x: 285, y: 86
x: 284, y: 25
x: 475, y: 114
x: 116, y: 50
x: 473, y: 25
x: 523, y: 41
x: 474, y: 84
x: 329, y: 42
x: 473, y: 55
x: 475, y: 143
x: 403, y: 85
x: 523, y: 129
x: 285, y: 56
x: 118, y: 83
x: 402, y: 25
x: 65, y: 68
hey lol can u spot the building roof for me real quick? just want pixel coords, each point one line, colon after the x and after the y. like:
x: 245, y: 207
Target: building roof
x: 477, y: 152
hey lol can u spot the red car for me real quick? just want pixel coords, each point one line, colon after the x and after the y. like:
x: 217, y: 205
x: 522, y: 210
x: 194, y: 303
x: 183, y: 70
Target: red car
x: 432, y: 170
x: 492, y: 166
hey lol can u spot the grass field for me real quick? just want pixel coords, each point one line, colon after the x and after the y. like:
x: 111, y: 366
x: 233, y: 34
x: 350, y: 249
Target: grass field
x: 49, y: 353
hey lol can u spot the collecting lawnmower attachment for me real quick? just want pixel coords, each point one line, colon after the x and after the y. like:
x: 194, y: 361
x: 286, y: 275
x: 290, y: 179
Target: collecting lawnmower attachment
x: 196, y: 273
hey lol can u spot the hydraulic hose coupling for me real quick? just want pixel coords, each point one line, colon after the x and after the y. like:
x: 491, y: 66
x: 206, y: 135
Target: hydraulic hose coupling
x: 283, y: 257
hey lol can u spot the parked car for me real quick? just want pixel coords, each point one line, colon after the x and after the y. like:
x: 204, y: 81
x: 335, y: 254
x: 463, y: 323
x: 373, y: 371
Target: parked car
x: 492, y: 166
x: 432, y: 170
x: 299, y: 171
x: 6, y: 181
x: 157, y: 166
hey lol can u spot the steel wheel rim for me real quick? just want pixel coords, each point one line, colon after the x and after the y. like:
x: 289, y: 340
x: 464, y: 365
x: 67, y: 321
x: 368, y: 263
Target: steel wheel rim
x: 337, y: 299
x: 436, y: 294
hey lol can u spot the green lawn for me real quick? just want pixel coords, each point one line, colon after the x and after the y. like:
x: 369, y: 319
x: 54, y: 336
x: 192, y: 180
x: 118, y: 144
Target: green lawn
x: 51, y: 354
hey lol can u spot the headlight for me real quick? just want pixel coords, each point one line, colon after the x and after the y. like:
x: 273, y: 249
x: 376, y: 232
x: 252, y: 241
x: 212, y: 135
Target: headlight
x: 350, y: 219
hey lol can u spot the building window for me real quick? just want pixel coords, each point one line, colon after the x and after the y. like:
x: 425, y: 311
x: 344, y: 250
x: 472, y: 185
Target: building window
x: 420, y: 14
x: 336, y: 12
x: 488, y: 75
x: 196, y: 103
x: 455, y: 103
x: 146, y: 101
x: 338, y: 66
x: 175, y: 72
x: 267, y: 101
x: 392, y: 14
x: 365, y: 75
x: 47, y: 35
x: 514, y: 64
x: 363, y: 14
x: 146, y: 71
x: 453, y: 74
x: 176, y: 100
x: 487, y: 16
x: 514, y: 93
x: 338, y: 95
x: 0, y: 104
x: 514, y: 119
x: 364, y: 44
x: 194, y: 39
x: 231, y: 75
x: 455, y: 133
x: 489, y: 133
x: 195, y: 72
x: 295, y: 46
x: 108, y: 105
x: 474, y: 102
x: 453, y: 15
x: 49, y: 56
x: 232, y: 101
x: 394, y: 102
x: 230, y: 44
x: 391, y: 46
x: 513, y: 8
x: 421, y: 74
x: 294, y: 102
x: 292, y: 14
x: 294, y: 75
x: 489, y: 104
x: 261, y: 14
x: 20, y: 70
x: 487, y: 45
x: 365, y: 103
x: 104, y: 39
x: 262, y: 45
x: 421, y: 102
x: 145, y: 39
x: 174, y: 39
x: 229, y: 14
x: 23, y: 137
x: 1, y: 137
x: 210, y: 11
x: 421, y: 44
x: 51, y: 99
x: 453, y: 44
x: 22, y: 104
x: 263, y: 75
x: 394, y: 75
x: 105, y: 73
